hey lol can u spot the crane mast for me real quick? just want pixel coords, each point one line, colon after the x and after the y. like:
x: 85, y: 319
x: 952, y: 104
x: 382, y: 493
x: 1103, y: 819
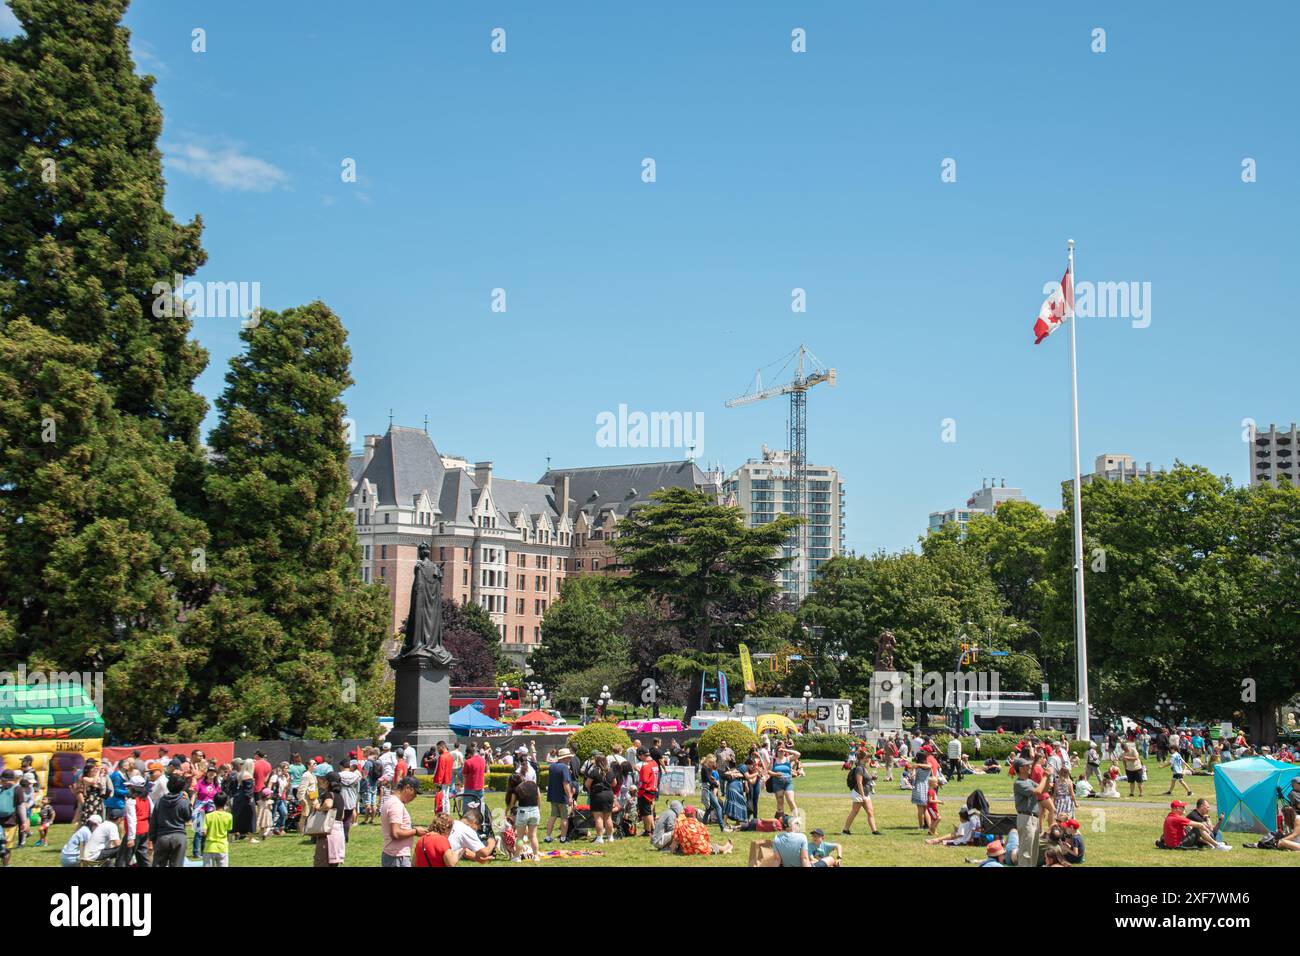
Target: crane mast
x: 797, y: 482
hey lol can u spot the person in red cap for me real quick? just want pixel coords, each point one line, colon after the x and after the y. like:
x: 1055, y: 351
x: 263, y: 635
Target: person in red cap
x: 1073, y: 843
x: 1180, y: 832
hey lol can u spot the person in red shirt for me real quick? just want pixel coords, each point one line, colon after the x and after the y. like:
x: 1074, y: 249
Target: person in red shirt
x: 474, y: 772
x: 1179, y: 831
x: 262, y: 771
x: 434, y: 849
x: 443, y: 774
x: 647, y: 791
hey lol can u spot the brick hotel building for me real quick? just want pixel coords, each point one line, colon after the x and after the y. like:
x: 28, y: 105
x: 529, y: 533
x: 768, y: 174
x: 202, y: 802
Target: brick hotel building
x: 506, y: 545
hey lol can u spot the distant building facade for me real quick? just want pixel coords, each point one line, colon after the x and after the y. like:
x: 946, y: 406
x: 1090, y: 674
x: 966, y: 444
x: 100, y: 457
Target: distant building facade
x: 1273, y: 456
x: 759, y: 489
x: 506, y: 545
x: 986, y: 500
x: 1120, y: 468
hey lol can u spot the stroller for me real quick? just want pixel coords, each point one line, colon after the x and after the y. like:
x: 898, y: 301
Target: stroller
x: 995, y: 824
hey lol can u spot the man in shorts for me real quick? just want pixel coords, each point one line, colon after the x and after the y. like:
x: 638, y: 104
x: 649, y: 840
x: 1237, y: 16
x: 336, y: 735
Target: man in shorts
x: 399, y: 835
x: 559, y: 794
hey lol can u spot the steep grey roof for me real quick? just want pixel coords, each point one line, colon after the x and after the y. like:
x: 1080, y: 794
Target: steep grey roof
x: 457, y: 499
x: 404, y: 464
x: 622, y: 487
x: 355, y: 465
x: 512, y: 497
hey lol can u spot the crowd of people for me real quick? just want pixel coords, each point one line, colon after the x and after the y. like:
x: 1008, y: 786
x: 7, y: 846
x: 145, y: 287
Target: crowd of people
x: 161, y: 810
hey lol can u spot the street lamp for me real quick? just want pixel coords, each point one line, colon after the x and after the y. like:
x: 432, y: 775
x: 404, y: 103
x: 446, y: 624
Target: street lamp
x: 604, y: 699
x: 807, y: 701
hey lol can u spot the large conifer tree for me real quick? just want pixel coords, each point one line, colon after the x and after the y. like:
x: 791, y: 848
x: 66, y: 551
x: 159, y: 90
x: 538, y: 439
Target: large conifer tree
x: 291, y: 638
x: 98, y: 416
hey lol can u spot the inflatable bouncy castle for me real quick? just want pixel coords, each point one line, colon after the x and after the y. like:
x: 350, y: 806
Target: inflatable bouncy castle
x: 59, y: 728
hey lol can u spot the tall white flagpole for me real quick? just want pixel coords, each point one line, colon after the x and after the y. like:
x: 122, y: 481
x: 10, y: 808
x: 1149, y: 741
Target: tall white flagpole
x: 1080, y: 620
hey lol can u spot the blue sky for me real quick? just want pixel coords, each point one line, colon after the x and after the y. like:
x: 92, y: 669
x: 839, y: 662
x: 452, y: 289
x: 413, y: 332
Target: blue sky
x: 775, y: 170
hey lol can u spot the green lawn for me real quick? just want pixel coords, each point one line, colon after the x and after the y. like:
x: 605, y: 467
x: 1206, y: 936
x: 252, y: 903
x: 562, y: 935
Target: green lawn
x: 1117, y: 832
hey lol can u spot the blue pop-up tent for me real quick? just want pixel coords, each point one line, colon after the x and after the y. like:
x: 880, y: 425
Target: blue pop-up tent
x: 1246, y: 792
x: 470, y: 718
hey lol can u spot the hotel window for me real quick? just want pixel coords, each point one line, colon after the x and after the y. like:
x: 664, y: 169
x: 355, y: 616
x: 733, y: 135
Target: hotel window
x: 382, y: 569
x: 537, y: 635
x: 523, y: 560
x: 579, y: 562
x: 519, y: 605
x: 442, y: 554
x: 367, y: 553
x: 468, y: 555
x: 523, y: 582
x: 383, y: 552
x: 386, y: 517
x: 464, y: 576
x: 519, y: 634
x: 595, y: 564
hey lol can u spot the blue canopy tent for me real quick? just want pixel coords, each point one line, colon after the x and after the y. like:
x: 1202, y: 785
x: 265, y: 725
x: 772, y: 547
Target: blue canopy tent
x: 1245, y: 791
x: 469, y: 718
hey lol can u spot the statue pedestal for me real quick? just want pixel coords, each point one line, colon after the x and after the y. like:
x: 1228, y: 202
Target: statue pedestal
x: 421, y: 701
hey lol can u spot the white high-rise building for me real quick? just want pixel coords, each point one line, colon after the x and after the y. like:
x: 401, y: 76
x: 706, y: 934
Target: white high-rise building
x: 758, y: 488
x: 1273, y: 457
x: 982, y: 502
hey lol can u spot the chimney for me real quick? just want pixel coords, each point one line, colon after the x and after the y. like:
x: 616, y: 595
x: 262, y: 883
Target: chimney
x: 562, y: 495
x: 483, y: 474
x: 371, y: 442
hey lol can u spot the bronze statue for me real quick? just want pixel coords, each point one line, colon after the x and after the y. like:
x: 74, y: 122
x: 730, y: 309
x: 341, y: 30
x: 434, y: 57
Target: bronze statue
x: 423, y: 625
x: 885, y: 650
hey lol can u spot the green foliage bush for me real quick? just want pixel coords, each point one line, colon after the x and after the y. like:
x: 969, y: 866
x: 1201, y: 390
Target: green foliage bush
x: 607, y: 738
x: 738, y: 737
x: 823, y: 746
x: 1000, y: 746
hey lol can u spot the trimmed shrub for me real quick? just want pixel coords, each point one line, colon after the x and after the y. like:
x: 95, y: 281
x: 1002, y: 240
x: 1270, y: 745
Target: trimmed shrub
x: 738, y: 737
x: 824, y: 746
x: 499, y: 776
x: 1001, y: 746
x: 607, y: 738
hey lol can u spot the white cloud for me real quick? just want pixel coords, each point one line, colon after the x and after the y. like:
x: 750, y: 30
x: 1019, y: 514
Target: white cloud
x: 146, y: 57
x: 225, y: 166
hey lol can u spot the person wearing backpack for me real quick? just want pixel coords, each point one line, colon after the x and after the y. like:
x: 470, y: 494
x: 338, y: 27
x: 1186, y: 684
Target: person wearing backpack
x: 9, y: 807
x: 861, y: 783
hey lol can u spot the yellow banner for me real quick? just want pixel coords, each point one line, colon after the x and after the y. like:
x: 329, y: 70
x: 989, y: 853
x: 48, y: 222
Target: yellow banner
x: 747, y: 669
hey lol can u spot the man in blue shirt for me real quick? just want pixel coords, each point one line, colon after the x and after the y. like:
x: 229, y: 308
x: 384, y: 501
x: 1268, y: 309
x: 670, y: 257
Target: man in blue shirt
x: 792, y: 847
x: 559, y: 794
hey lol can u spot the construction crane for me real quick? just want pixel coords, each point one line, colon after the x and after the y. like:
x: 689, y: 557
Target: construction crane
x: 798, y: 480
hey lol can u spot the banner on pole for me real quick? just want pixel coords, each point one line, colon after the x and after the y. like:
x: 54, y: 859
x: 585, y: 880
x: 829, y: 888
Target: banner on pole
x: 747, y: 669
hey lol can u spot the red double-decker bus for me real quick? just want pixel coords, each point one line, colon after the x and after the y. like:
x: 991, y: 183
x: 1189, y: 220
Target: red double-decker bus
x: 494, y: 702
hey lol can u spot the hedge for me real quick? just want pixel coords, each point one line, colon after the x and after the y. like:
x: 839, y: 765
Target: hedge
x: 1001, y: 746
x: 824, y: 746
x: 738, y: 737
x: 499, y: 775
x: 605, y: 737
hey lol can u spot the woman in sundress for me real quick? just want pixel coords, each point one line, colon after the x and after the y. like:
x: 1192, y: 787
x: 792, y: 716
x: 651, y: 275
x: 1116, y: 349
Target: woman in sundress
x: 1064, y: 794
x: 921, y: 792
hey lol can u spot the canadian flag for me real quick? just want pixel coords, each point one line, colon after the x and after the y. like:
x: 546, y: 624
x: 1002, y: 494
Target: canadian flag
x: 1055, y: 308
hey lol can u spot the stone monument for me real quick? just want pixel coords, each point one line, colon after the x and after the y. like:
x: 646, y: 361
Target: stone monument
x: 886, y: 688
x: 422, y: 667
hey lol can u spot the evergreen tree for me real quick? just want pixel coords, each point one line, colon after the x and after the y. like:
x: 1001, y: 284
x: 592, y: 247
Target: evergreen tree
x: 703, y: 567
x: 98, y: 416
x: 291, y: 637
